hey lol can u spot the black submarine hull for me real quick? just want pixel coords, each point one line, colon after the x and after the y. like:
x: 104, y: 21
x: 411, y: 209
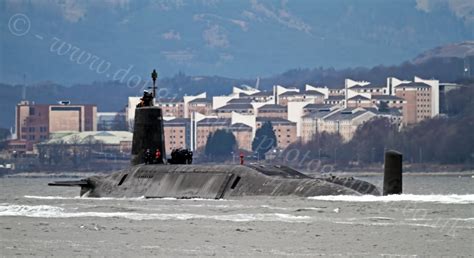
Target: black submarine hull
x: 217, y: 182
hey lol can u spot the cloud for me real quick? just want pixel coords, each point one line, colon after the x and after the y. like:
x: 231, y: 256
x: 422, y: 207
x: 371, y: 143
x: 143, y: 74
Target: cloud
x: 210, y: 18
x: 215, y: 36
x: 179, y: 56
x: 71, y: 10
x: 167, y: 5
x: 249, y: 15
x: 463, y: 9
x: 171, y: 35
x: 226, y: 57
x: 282, y: 16
x: 242, y: 24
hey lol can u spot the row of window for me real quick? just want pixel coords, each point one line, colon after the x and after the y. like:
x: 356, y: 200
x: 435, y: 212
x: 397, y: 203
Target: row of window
x: 174, y: 136
x: 422, y: 117
x: 423, y: 105
x: 42, y: 129
x: 372, y: 90
x: 422, y: 94
x: 32, y: 137
x: 173, y: 142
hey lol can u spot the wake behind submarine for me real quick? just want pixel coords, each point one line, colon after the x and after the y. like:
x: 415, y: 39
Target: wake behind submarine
x: 217, y: 181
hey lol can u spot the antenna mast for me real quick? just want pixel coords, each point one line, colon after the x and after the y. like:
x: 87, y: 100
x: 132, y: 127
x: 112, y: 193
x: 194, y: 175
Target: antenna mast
x: 154, y: 76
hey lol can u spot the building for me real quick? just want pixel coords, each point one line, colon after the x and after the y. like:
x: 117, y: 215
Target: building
x: 390, y: 100
x: 285, y: 130
x: 241, y: 108
x: 171, y: 107
x: 177, y: 134
x: 314, y: 108
x: 371, y: 89
x: 200, y: 105
x: 337, y: 92
x: 207, y: 126
x: 243, y: 135
x: 85, y: 146
x: 334, y: 100
x: 35, y: 122
x: 273, y: 110
x: 418, y: 101
x: 394, y: 115
x: 311, y: 95
x: 359, y: 101
x: 311, y: 122
x: 262, y: 96
x: 110, y: 121
x: 345, y: 121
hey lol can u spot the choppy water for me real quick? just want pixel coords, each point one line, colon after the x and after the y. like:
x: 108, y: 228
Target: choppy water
x: 434, y: 216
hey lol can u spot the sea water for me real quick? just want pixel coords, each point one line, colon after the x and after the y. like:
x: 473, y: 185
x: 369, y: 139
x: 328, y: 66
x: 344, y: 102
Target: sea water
x: 434, y: 216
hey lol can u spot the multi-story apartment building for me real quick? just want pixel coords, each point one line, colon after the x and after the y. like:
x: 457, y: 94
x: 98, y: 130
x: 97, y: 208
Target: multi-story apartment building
x: 312, y: 95
x: 34, y: 122
x: 390, y: 100
x: 273, y: 110
x: 334, y: 100
x: 285, y: 131
x: 200, y: 105
x: 314, y: 108
x: 241, y: 108
x: 243, y: 135
x: 262, y: 96
x: 345, y: 121
x: 372, y: 89
x: 359, y: 101
x: 418, y: 101
x: 207, y: 126
x: 171, y: 107
x: 177, y: 133
x: 311, y: 123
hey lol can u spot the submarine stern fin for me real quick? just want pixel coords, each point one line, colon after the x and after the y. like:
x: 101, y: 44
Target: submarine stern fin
x: 83, y: 183
x: 392, y: 178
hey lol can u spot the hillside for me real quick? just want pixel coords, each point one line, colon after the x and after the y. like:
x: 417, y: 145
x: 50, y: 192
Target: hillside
x: 459, y: 50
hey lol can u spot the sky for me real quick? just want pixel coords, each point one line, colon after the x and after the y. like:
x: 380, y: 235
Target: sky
x: 80, y: 41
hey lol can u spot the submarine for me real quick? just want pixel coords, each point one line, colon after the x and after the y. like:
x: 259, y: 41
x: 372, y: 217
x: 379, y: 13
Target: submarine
x: 217, y: 181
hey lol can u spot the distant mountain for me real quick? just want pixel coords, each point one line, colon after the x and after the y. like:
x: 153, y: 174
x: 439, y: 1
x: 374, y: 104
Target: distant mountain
x: 459, y: 50
x: 43, y: 39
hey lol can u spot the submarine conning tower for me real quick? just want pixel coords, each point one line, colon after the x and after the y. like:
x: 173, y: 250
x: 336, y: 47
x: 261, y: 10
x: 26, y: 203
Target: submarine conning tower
x: 147, y: 133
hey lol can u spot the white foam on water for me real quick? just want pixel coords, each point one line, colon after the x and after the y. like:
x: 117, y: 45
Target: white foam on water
x: 47, y: 211
x: 436, y: 198
x: 83, y: 198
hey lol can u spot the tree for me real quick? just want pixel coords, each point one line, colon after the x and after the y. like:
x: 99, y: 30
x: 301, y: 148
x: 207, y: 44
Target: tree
x: 265, y: 139
x: 4, y: 135
x: 383, y: 106
x: 220, y: 145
